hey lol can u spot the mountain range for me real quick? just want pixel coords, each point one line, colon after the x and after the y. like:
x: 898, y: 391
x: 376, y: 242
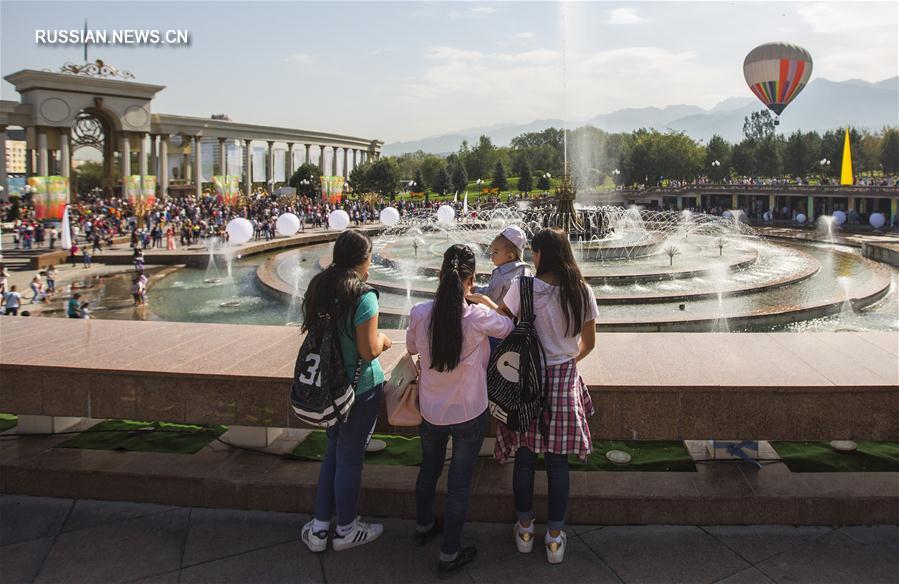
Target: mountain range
x: 823, y: 105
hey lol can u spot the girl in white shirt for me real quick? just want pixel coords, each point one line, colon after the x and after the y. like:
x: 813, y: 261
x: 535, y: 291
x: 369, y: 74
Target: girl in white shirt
x: 452, y: 338
x: 565, y: 310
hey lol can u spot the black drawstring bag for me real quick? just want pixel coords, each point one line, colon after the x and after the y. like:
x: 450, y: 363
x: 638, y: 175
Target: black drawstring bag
x: 516, y: 383
x: 321, y: 393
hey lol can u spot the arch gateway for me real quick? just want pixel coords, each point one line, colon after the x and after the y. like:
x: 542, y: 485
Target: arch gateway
x: 97, y: 106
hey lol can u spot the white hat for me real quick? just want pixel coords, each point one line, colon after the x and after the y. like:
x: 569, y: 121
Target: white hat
x: 514, y: 234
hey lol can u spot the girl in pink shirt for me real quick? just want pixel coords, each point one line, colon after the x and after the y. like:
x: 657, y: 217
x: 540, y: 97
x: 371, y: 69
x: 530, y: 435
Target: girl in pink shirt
x: 451, y: 337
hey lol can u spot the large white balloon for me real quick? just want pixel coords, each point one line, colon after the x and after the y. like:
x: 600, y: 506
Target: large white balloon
x: 800, y: 218
x: 338, y: 220
x: 839, y: 217
x: 767, y: 216
x: 446, y: 214
x: 727, y: 215
x: 877, y: 220
x: 239, y: 230
x: 390, y: 216
x: 287, y: 224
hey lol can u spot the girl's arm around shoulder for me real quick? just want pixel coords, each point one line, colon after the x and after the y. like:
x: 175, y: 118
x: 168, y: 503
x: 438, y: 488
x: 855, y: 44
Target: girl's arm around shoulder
x: 492, y: 323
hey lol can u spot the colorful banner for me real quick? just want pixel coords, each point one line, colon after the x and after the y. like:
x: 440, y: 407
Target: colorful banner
x: 332, y: 188
x: 149, y: 190
x: 16, y: 186
x: 49, y: 195
x: 133, y: 192
x: 227, y: 188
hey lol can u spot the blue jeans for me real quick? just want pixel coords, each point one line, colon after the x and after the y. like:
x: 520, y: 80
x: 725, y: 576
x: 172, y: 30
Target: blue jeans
x: 523, y: 486
x: 467, y: 440
x: 340, y: 476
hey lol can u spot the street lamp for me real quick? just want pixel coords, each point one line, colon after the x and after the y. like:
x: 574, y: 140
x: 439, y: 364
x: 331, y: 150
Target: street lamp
x: 615, y: 174
x: 824, y: 164
x: 479, y: 182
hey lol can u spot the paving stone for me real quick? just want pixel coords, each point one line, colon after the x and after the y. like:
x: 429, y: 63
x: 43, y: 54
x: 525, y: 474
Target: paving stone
x: 87, y: 513
x: 755, y: 543
x: 747, y: 576
x: 118, y: 552
x: 220, y: 533
x: 20, y: 562
x: 580, y: 565
x: 165, y: 578
x: 27, y: 518
x: 287, y: 562
x: 883, y: 538
x: 834, y: 558
x: 661, y: 553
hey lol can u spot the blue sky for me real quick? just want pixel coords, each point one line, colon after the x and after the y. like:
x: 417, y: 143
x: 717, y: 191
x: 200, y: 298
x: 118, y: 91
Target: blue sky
x: 406, y: 70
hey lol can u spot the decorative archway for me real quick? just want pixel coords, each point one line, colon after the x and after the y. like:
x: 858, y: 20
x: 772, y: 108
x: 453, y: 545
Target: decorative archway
x: 92, y: 128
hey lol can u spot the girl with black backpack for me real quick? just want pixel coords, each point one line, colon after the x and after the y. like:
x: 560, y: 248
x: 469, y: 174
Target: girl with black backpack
x: 339, y: 293
x: 566, y: 311
x: 452, y: 338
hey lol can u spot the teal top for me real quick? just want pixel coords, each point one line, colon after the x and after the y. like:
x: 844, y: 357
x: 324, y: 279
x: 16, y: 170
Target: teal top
x: 73, y: 308
x: 371, y: 374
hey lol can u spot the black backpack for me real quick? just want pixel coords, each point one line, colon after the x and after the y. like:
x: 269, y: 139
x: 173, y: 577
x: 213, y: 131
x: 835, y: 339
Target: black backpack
x: 321, y: 393
x: 516, y: 384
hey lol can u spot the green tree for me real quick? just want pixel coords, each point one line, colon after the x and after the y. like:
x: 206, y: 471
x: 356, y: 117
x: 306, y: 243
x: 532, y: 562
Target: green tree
x: 672, y: 155
x: 801, y: 154
x: 718, y: 150
x: 525, y: 182
x: 500, y: 181
x: 430, y: 167
x: 420, y: 185
x: 442, y: 182
x: 758, y: 125
x: 307, y: 180
x: 459, y: 177
x: 15, y: 211
x: 384, y: 177
x: 89, y: 176
x: 889, y: 151
x: 742, y: 158
x: 769, y: 156
x: 359, y: 178
x: 480, y: 159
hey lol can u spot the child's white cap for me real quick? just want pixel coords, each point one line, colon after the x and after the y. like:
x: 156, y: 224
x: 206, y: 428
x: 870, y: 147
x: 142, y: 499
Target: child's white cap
x: 514, y: 234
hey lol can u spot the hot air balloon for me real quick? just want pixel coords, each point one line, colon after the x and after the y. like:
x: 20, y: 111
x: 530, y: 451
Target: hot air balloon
x: 776, y: 73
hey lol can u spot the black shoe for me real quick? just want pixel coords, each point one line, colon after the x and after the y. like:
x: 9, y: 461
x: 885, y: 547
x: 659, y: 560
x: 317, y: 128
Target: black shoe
x: 447, y: 569
x: 423, y: 537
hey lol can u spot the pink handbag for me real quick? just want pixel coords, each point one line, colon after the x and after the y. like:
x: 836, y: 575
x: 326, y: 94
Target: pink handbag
x: 401, y: 394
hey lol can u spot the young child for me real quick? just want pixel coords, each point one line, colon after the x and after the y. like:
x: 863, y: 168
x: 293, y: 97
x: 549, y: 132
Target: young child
x: 451, y: 337
x: 506, y: 251
x: 566, y: 311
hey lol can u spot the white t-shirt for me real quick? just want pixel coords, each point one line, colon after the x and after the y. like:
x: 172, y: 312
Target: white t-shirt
x: 550, y: 319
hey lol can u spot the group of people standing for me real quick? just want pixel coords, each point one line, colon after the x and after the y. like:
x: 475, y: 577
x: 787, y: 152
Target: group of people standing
x: 453, y: 336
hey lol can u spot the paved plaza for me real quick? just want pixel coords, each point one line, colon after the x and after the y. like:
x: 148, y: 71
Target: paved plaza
x: 64, y: 540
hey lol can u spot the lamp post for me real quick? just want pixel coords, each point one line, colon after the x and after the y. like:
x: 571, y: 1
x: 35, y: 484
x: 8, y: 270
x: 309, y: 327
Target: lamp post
x: 547, y: 176
x: 479, y: 182
x: 615, y: 174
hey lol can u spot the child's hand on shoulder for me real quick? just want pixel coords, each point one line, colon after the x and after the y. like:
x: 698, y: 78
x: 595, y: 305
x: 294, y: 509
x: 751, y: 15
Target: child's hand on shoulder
x: 481, y: 299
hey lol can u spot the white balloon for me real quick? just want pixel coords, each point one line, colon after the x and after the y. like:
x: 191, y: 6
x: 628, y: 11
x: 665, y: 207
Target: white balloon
x: 877, y: 220
x: 390, y: 216
x: 767, y: 216
x: 839, y: 217
x: 446, y: 214
x: 287, y: 224
x: 239, y: 230
x: 727, y: 215
x: 800, y: 218
x: 338, y: 220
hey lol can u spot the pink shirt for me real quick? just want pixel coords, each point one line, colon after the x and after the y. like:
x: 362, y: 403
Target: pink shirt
x: 460, y: 395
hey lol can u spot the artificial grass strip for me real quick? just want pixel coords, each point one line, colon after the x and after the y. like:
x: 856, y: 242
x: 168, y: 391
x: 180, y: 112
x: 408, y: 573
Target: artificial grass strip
x: 400, y: 451
x: 136, y: 436
x: 820, y: 457
x: 8, y: 421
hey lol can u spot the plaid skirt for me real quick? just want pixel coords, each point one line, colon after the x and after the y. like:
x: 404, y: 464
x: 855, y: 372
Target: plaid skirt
x: 569, y: 407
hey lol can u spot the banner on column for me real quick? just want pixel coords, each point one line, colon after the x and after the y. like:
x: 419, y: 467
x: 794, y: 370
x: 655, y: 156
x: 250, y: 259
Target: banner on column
x: 16, y: 186
x: 227, y: 188
x: 148, y: 190
x: 49, y: 195
x: 133, y: 192
x: 332, y: 188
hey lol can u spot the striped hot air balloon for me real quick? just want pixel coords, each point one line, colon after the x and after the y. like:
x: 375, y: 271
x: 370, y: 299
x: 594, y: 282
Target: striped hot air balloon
x: 776, y: 73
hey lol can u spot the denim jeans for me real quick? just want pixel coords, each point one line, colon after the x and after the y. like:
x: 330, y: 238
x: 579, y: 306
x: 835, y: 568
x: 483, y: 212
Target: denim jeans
x: 523, y: 486
x: 467, y: 440
x: 340, y: 477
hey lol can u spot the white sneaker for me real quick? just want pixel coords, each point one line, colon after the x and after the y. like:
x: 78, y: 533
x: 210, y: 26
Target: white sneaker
x: 316, y: 542
x: 524, y: 538
x: 555, y: 550
x: 361, y: 534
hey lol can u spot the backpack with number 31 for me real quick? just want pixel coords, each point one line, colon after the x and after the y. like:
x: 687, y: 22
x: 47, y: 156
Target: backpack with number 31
x: 322, y: 394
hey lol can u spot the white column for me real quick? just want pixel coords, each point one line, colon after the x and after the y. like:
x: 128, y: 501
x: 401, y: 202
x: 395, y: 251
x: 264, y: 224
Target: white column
x: 345, y: 171
x: 223, y: 157
x: 321, y: 158
x: 270, y: 165
x: 126, y: 158
x: 4, y: 179
x: 307, y: 153
x: 198, y: 161
x: 43, y: 161
x: 334, y: 161
x: 248, y: 177
x: 64, y: 155
x: 163, y: 164
x: 154, y: 157
x: 142, y: 161
x: 288, y: 162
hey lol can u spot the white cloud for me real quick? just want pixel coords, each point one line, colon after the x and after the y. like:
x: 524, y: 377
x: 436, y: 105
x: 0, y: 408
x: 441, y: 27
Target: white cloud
x: 301, y: 58
x: 473, y: 12
x: 624, y: 16
x: 525, y: 35
x: 843, y: 17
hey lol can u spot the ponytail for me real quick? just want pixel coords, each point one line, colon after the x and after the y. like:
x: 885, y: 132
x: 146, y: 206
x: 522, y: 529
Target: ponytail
x: 446, y: 313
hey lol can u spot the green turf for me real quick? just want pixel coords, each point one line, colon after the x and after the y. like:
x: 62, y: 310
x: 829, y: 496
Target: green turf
x: 137, y: 436
x: 820, y: 457
x: 406, y: 451
x: 8, y: 421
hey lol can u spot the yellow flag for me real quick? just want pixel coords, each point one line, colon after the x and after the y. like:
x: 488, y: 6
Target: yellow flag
x: 846, y: 173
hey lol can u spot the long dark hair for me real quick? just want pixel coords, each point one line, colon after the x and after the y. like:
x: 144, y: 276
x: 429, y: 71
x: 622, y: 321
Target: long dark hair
x: 557, y: 258
x: 446, y: 314
x: 334, y: 291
